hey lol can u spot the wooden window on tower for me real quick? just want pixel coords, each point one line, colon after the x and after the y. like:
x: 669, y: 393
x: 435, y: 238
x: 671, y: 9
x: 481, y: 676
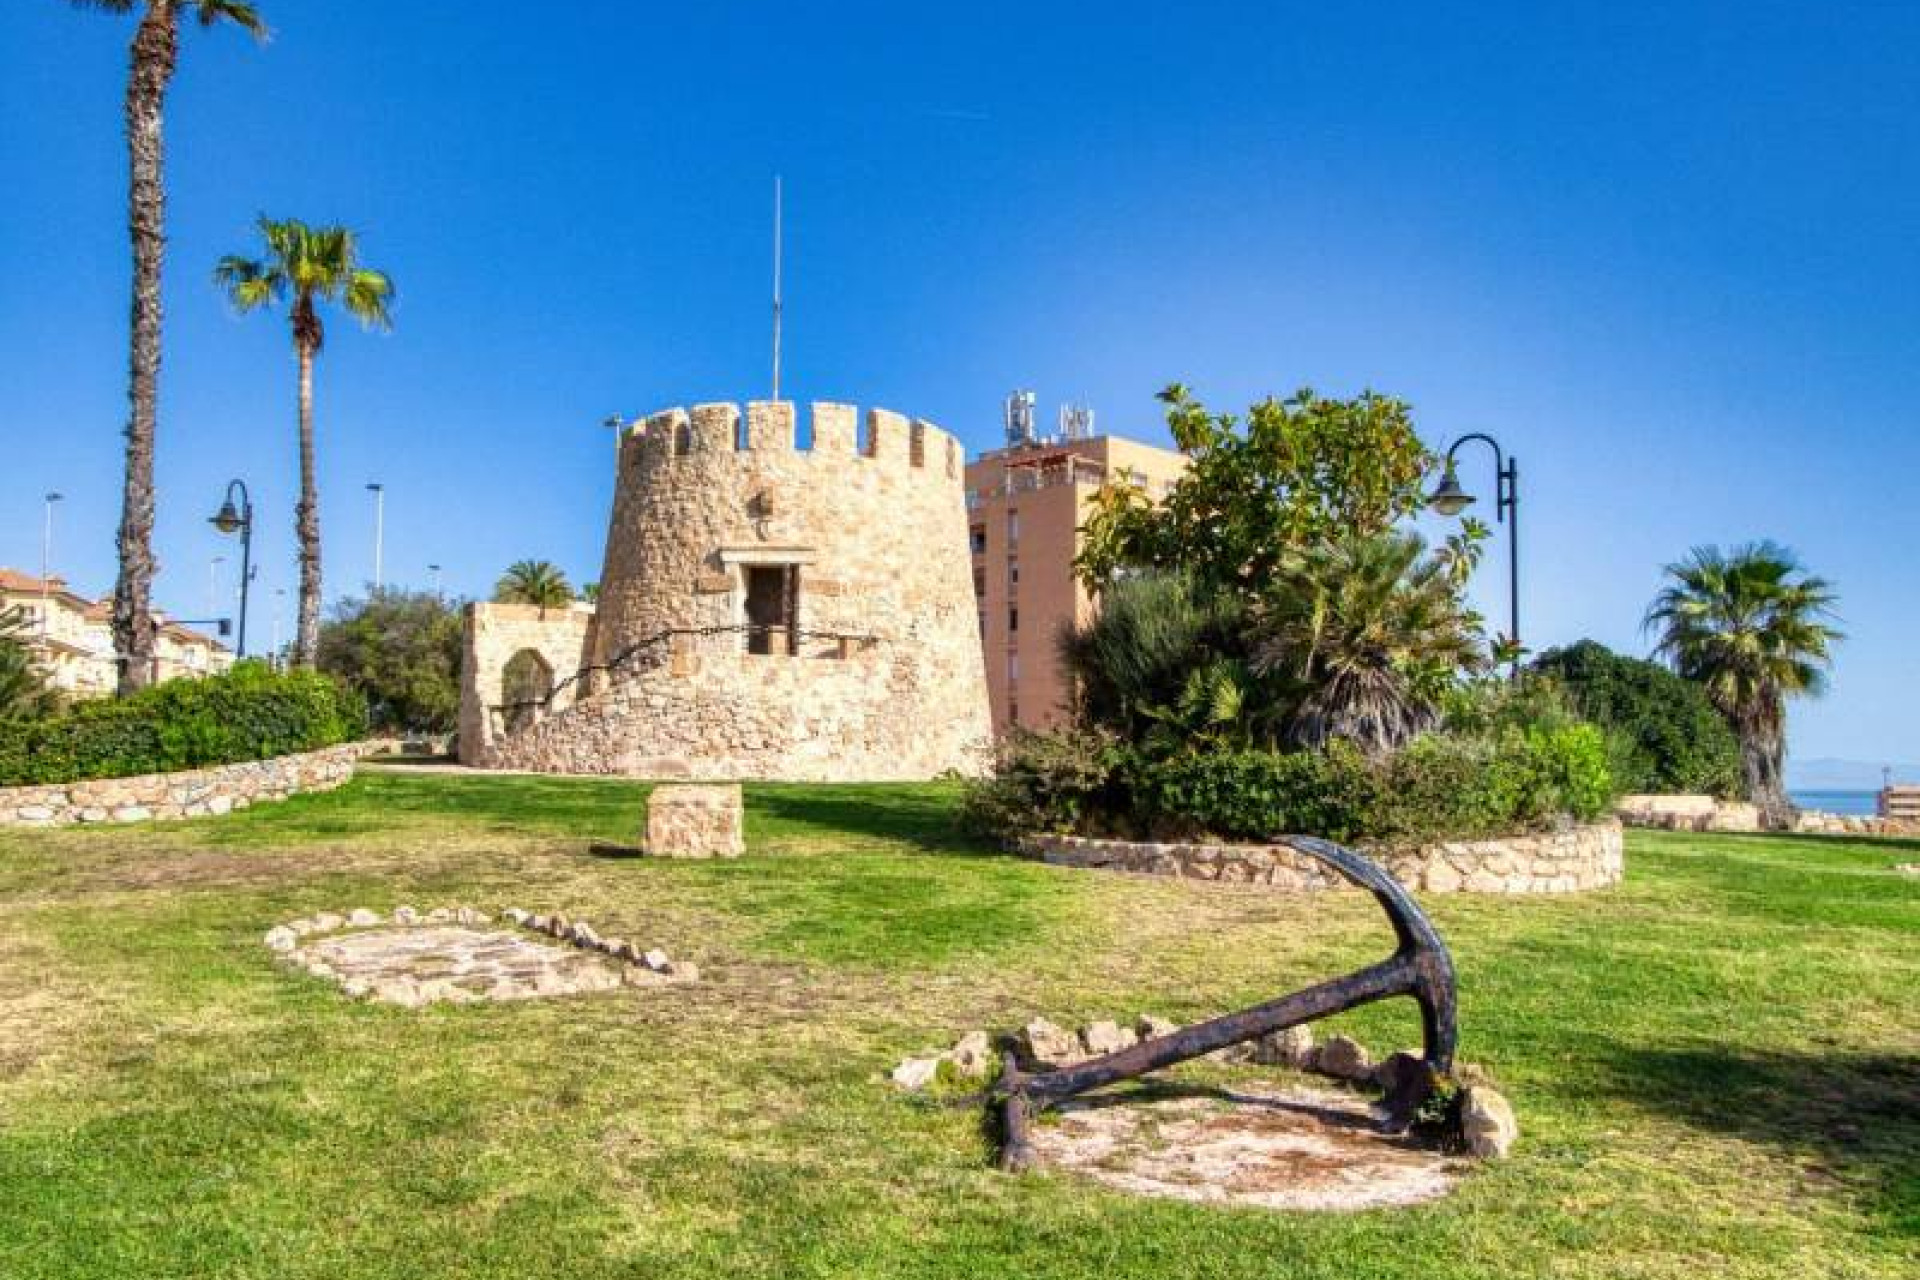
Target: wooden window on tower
x: 773, y: 608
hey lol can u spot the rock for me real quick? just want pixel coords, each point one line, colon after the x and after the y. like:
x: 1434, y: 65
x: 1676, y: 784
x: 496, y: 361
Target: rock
x: 1487, y: 1123
x: 1049, y: 1045
x: 1106, y: 1037
x: 356, y: 987
x: 405, y: 915
x: 516, y: 915
x: 559, y: 926
x: 615, y: 947
x: 539, y: 924
x: 916, y: 1073
x: 301, y: 927
x: 972, y: 1054
x: 404, y: 992
x: 584, y: 935
x: 468, y: 916
x: 1344, y: 1059
x: 656, y: 960
x: 282, y: 939
x: 440, y: 915
x: 1152, y: 1028
x: 361, y: 918
x: 1291, y: 1047
x: 327, y: 922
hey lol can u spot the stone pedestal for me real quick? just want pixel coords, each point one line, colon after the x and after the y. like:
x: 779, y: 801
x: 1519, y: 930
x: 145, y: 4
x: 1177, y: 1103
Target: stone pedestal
x: 694, y: 821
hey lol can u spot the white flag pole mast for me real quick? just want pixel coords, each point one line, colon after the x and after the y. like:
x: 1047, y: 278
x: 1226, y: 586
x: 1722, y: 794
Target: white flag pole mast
x: 776, y: 286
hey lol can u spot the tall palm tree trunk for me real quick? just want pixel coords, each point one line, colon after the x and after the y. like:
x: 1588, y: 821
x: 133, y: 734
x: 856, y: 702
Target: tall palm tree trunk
x: 1762, y: 765
x: 155, y: 51
x: 307, y: 524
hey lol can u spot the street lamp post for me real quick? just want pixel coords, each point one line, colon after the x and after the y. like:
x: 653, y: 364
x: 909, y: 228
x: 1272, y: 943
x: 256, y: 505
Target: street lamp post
x: 239, y: 519
x: 379, y: 492
x: 433, y: 578
x: 46, y: 562
x: 1449, y: 499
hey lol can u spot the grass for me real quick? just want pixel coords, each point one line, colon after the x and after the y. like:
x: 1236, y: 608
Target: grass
x: 1716, y: 1065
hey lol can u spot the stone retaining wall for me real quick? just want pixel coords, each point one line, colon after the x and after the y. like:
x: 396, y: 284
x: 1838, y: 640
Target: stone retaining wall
x: 1687, y: 813
x: 1553, y: 862
x: 194, y: 793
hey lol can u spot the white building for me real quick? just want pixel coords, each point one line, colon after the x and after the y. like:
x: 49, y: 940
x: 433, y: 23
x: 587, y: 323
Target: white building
x: 71, y: 637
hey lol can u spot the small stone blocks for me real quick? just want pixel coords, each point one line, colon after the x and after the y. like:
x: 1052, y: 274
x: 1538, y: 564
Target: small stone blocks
x: 689, y: 820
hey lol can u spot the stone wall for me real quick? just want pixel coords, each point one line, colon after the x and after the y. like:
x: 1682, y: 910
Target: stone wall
x: 1687, y: 813
x: 194, y: 793
x: 492, y: 635
x: 1588, y: 857
x: 887, y: 680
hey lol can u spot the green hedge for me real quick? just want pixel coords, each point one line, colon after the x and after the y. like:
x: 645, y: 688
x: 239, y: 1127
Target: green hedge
x: 248, y: 713
x: 1663, y: 735
x: 1440, y: 787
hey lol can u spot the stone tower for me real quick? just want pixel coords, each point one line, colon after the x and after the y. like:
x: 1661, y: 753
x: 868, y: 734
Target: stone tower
x: 765, y: 611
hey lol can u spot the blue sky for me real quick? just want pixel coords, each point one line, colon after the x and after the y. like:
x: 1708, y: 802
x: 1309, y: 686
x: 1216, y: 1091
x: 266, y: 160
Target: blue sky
x: 1664, y: 252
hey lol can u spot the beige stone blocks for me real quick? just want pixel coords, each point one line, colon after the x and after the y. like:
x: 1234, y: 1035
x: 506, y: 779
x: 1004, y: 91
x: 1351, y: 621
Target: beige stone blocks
x: 689, y: 820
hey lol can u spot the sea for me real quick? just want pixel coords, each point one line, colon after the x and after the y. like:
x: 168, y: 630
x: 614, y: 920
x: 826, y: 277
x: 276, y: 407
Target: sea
x: 1860, y: 802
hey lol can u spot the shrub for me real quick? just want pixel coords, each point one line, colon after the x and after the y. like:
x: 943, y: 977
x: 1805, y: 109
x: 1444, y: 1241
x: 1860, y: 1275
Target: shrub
x: 1663, y: 734
x: 1044, y: 782
x: 400, y: 651
x: 1439, y: 787
x: 248, y: 713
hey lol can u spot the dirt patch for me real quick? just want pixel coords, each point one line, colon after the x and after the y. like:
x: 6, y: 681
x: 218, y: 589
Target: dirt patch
x: 1302, y: 1149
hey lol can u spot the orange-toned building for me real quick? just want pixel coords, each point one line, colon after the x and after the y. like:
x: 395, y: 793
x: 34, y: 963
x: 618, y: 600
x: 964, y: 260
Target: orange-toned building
x: 1025, y: 505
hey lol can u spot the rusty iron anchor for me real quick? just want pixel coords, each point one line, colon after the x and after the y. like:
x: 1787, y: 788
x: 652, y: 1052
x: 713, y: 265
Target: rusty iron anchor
x: 1420, y: 967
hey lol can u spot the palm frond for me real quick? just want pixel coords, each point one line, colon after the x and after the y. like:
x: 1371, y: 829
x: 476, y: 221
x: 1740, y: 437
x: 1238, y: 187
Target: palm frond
x: 240, y: 13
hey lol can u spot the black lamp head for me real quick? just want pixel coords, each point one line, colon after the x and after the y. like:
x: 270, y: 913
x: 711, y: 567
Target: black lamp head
x: 227, y: 519
x: 1448, y: 498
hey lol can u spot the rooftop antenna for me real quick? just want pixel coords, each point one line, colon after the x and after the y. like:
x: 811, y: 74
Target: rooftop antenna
x: 1076, y: 422
x: 776, y: 286
x: 1019, y: 414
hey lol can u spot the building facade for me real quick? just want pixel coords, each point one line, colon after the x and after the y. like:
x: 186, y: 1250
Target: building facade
x: 1025, y: 506
x: 767, y: 609
x: 71, y: 637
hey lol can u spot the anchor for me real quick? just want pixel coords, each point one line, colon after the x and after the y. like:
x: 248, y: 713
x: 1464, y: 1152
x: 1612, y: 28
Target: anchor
x: 1420, y: 967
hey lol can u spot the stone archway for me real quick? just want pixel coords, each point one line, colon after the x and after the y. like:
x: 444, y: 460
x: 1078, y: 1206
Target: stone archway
x: 526, y: 682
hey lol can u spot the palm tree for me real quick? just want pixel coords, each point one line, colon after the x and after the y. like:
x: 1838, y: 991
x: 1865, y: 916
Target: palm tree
x: 1750, y: 626
x: 155, y: 53
x: 24, y: 691
x: 303, y: 267
x: 1371, y: 631
x: 535, y: 582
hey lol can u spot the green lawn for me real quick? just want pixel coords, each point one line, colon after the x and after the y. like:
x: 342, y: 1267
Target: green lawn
x: 1716, y: 1066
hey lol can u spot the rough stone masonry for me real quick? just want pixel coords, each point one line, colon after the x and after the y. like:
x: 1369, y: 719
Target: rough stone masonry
x: 765, y: 611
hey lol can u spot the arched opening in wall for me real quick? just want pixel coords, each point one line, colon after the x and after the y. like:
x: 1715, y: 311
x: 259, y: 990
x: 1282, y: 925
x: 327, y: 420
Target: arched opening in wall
x: 525, y: 684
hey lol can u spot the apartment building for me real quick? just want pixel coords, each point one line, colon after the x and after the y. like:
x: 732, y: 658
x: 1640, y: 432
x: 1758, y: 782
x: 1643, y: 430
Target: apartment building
x: 1025, y: 504
x: 71, y: 637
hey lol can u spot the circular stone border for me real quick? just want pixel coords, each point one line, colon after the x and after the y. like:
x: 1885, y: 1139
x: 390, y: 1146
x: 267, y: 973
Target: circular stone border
x: 639, y: 966
x: 1571, y: 861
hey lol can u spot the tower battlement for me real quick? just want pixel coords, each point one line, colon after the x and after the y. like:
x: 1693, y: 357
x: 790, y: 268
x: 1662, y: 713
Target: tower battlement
x: 772, y: 426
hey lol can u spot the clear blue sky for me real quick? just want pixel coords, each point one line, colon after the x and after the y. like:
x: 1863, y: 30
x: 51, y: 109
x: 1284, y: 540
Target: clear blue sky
x: 1667, y: 253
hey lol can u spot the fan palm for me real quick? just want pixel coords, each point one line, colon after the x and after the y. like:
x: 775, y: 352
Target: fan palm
x: 154, y: 55
x: 1371, y: 632
x: 535, y: 582
x: 304, y: 266
x: 1751, y: 626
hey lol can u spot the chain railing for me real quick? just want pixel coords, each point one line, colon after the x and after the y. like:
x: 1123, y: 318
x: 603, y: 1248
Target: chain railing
x: 653, y: 650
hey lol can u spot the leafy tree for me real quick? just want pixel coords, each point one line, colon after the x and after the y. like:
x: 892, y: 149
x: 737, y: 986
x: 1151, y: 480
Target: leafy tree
x: 155, y: 54
x: 1663, y: 734
x: 399, y: 650
x: 535, y: 582
x: 1371, y: 632
x: 24, y: 691
x: 1298, y: 472
x: 1751, y: 627
x: 304, y: 266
